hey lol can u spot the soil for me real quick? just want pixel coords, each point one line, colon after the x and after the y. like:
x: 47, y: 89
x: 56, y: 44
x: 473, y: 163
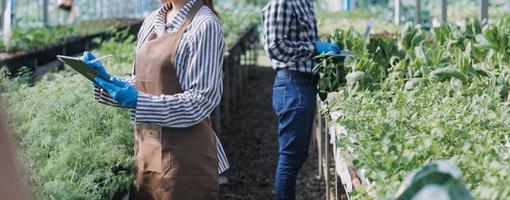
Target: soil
x: 250, y: 142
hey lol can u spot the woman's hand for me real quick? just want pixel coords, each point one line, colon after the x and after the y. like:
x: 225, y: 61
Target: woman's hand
x: 122, y: 92
x: 87, y: 57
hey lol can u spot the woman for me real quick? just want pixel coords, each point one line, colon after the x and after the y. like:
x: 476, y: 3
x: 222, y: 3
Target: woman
x: 176, y: 84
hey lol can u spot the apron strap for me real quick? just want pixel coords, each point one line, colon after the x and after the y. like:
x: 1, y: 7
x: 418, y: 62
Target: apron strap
x: 184, y: 24
x: 148, y: 34
x: 191, y: 14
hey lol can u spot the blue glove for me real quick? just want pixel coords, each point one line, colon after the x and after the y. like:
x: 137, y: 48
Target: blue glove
x: 122, y: 92
x: 326, y: 47
x: 87, y: 56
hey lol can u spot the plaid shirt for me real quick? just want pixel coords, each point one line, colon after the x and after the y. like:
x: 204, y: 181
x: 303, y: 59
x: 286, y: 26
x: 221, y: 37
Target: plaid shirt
x: 290, y: 31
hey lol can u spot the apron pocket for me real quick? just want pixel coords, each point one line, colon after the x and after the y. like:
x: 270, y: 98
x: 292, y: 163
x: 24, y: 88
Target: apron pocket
x: 150, y: 154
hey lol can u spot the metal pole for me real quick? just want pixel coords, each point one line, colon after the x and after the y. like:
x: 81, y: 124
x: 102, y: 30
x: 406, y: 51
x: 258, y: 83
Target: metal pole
x: 13, y: 14
x: 417, y: 18
x: 484, y: 9
x: 2, y: 12
x: 45, y: 13
x: 326, y: 159
x: 106, y: 9
x: 444, y: 11
x: 397, y: 11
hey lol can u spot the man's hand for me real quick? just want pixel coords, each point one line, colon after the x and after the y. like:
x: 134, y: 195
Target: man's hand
x: 326, y: 47
x: 87, y: 57
x: 122, y: 92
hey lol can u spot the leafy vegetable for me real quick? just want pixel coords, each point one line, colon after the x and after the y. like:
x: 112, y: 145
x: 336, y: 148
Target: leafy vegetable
x: 447, y: 73
x: 392, y: 132
x: 71, y: 146
x: 236, y: 19
x: 38, y: 37
x: 410, y: 112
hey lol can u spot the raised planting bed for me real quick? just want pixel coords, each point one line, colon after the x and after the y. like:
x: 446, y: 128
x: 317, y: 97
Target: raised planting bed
x: 407, y: 99
x: 68, y: 46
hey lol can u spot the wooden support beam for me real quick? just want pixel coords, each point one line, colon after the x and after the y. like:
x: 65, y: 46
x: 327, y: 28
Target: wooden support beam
x: 444, y: 11
x: 398, y: 11
x: 484, y: 9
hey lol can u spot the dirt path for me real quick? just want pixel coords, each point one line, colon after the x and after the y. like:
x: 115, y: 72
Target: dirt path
x: 251, y: 146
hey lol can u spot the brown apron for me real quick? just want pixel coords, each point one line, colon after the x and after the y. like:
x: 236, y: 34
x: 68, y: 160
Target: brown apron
x: 172, y: 163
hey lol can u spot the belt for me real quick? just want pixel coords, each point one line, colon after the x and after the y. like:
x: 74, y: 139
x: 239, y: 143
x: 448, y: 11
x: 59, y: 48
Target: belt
x: 301, y: 75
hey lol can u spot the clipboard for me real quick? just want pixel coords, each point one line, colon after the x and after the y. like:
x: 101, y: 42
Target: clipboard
x: 343, y: 53
x: 81, y: 67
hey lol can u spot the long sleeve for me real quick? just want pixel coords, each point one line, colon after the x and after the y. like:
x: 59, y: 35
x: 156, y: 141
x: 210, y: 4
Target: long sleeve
x: 281, y: 44
x: 201, y: 84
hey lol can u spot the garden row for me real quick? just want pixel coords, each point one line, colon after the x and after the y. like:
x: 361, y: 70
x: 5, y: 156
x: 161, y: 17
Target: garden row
x: 26, y: 39
x: 32, y: 47
x: 37, y: 46
x: 70, y: 146
x: 74, y: 148
x: 402, y: 101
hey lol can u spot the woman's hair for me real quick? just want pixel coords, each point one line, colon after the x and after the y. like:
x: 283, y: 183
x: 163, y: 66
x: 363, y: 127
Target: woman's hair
x: 210, y: 4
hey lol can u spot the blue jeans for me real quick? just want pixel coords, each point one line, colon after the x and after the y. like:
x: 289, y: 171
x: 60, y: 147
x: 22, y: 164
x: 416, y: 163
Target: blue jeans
x: 294, y: 100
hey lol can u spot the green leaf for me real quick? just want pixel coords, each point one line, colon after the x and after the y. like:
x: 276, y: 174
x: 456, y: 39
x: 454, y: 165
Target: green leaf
x: 448, y: 73
x: 354, y: 77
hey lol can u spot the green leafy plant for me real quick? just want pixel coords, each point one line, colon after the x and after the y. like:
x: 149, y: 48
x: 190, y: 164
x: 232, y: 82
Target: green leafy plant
x: 237, y: 19
x: 38, y: 37
x: 70, y: 146
x: 464, y: 52
x: 392, y: 132
x: 438, y: 95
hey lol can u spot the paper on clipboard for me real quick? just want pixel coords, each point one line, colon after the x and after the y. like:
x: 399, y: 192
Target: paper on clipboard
x: 78, y: 65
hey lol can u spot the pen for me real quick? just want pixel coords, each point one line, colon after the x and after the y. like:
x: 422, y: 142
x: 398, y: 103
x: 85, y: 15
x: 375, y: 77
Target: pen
x: 99, y: 59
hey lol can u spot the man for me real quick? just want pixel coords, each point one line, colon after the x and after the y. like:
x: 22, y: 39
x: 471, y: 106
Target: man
x: 291, y: 42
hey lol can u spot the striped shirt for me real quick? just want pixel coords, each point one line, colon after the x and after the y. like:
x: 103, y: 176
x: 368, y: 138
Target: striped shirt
x: 290, y: 31
x: 199, y: 60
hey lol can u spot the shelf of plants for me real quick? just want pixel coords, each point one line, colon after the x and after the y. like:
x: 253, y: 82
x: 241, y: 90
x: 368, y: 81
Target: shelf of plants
x: 25, y: 39
x: 36, y: 46
x: 400, y: 102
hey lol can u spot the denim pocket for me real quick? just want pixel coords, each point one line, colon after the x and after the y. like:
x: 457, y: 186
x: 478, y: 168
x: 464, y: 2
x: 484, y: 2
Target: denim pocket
x: 279, y: 93
x: 286, y: 98
x: 294, y: 96
x: 281, y: 80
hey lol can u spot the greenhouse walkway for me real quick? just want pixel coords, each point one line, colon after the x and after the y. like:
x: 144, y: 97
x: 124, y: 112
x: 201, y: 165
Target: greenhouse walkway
x: 251, y: 145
